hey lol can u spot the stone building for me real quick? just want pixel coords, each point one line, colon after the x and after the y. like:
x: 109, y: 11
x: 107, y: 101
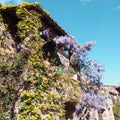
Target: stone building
x: 28, y: 59
x: 20, y: 25
x: 114, y: 92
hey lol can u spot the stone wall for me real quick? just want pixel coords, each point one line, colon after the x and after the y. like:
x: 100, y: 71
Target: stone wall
x: 104, y: 114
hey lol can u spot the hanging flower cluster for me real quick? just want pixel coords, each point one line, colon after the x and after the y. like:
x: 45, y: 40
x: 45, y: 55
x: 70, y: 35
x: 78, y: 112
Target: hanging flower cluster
x: 90, y: 69
x: 70, y: 44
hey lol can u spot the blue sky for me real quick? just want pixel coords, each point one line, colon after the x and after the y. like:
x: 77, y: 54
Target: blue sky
x: 86, y: 20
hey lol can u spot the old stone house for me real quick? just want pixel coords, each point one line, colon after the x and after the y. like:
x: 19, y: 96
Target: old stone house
x: 21, y: 29
x: 113, y: 91
x: 28, y: 63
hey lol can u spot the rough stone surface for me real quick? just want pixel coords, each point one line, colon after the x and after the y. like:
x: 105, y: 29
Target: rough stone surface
x: 63, y: 60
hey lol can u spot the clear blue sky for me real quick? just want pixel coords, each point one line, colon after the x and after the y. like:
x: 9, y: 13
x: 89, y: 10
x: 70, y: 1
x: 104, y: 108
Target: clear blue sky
x: 97, y: 20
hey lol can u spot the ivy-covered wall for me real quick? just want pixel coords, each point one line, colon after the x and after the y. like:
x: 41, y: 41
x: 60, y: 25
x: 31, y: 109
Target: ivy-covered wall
x: 31, y: 88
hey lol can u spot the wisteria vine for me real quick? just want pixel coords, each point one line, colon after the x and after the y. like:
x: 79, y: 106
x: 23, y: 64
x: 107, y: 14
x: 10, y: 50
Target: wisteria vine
x: 70, y: 44
x: 91, y: 72
x: 90, y: 69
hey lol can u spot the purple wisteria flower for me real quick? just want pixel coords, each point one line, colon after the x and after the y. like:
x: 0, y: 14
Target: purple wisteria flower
x: 85, y: 48
x: 67, y: 42
x: 90, y: 69
x: 93, y: 100
x: 70, y: 43
x: 94, y: 72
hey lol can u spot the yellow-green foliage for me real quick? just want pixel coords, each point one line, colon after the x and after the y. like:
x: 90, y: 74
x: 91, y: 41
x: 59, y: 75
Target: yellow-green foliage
x: 29, y: 20
x: 116, y: 110
x: 6, y: 7
x: 9, y: 70
x: 42, y: 92
x: 3, y: 30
